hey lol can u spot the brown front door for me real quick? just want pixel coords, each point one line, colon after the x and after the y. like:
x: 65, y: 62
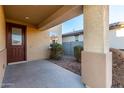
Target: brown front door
x: 16, y: 45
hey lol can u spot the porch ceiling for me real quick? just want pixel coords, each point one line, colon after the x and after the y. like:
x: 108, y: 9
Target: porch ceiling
x: 36, y: 13
x: 42, y: 16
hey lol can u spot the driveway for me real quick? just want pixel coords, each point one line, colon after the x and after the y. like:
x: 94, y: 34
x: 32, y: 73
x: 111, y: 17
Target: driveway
x: 40, y: 74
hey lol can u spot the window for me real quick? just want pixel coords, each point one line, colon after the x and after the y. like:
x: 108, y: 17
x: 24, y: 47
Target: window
x: 16, y: 36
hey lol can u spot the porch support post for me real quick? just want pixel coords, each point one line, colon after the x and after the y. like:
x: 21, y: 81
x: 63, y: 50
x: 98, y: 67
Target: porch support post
x: 96, y: 59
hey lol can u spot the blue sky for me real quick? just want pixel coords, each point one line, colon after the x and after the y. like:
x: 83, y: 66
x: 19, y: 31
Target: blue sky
x: 73, y: 24
x: 116, y: 14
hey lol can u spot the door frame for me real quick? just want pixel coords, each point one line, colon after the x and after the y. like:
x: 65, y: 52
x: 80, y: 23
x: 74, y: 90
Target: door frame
x: 25, y: 39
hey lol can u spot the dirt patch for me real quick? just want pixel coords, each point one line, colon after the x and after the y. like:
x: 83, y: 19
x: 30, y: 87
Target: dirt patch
x: 71, y: 64
x: 117, y: 68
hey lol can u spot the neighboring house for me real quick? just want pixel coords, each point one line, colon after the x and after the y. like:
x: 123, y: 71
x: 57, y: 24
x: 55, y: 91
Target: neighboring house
x: 73, y: 36
x: 116, y: 35
x: 116, y: 38
x: 70, y: 40
x: 57, y: 32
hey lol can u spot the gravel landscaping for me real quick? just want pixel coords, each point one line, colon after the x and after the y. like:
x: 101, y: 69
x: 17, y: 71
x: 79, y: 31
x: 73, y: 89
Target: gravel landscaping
x: 117, y: 68
x: 71, y: 64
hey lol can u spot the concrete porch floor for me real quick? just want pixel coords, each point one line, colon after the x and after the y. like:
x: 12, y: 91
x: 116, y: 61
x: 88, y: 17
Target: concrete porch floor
x: 40, y: 74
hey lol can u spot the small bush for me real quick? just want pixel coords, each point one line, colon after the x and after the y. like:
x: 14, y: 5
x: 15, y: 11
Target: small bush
x: 56, y: 51
x: 77, y: 52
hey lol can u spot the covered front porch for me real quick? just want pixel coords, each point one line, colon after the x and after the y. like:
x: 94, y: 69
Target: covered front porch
x: 31, y: 24
x: 40, y: 74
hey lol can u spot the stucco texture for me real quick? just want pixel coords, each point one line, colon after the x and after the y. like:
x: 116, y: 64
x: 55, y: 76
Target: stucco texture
x: 38, y: 42
x: 96, y: 38
x: 96, y: 58
x: 2, y: 45
x: 2, y: 29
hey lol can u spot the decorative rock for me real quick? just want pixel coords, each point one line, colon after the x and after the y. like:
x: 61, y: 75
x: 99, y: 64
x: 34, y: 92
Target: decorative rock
x: 118, y: 68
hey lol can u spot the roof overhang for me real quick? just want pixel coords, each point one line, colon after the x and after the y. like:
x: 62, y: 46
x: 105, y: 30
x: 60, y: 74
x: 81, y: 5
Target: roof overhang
x: 42, y: 16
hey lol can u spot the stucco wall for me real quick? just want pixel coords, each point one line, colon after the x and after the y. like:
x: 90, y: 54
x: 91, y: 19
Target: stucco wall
x: 38, y: 42
x: 2, y: 29
x: 115, y: 40
x: 2, y: 45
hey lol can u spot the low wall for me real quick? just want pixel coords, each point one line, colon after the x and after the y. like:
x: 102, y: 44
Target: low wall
x: 96, y: 69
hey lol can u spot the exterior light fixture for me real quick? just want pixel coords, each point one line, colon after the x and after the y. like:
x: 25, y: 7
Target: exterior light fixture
x: 26, y: 17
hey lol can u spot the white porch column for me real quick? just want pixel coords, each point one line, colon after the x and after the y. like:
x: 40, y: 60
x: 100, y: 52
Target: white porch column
x: 96, y: 58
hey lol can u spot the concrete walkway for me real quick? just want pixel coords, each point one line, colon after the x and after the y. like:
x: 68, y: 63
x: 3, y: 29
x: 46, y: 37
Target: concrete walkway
x: 40, y: 74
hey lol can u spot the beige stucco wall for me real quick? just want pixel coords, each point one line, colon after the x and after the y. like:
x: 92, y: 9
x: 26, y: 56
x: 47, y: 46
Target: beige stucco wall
x: 96, y: 63
x: 97, y: 69
x: 2, y: 29
x: 38, y: 42
x: 2, y: 45
x: 115, y: 40
x: 99, y: 23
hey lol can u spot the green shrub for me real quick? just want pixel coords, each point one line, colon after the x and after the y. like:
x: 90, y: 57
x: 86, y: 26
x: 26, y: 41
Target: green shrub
x: 77, y: 52
x: 56, y: 51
